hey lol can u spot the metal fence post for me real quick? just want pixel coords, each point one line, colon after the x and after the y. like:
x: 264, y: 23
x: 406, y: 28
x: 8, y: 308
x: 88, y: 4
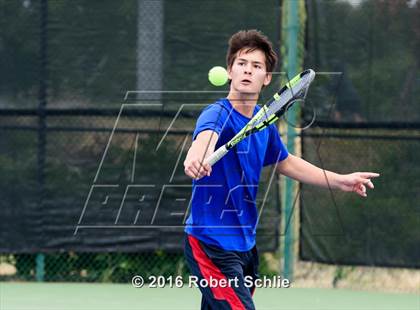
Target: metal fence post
x: 42, y: 103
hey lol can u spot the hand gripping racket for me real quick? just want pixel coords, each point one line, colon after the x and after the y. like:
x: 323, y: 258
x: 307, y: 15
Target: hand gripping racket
x: 294, y: 90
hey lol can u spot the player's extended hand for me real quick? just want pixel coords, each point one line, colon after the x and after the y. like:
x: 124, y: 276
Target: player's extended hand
x: 357, y: 182
x: 195, y: 169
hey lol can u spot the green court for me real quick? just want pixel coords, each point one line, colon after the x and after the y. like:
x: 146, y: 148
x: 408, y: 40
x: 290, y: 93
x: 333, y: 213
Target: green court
x: 64, y: 296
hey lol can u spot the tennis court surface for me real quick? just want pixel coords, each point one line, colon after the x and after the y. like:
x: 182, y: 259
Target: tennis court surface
x: 64, y: 296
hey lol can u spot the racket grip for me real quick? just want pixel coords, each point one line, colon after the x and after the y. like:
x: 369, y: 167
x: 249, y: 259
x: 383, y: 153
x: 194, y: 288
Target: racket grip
x: 218, y: 154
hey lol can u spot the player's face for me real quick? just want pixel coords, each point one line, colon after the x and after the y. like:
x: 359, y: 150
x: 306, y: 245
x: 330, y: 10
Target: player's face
x: 248, y: 72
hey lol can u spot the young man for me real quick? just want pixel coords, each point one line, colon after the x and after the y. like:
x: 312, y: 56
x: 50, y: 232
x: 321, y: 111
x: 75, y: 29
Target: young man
x: 220, y: 230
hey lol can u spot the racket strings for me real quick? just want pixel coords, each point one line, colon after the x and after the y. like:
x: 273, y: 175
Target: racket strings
x: 299, y: 89
x: 295, y: 89
x: 286, y: 97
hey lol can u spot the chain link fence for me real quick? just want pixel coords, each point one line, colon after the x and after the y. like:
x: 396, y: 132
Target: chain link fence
x: 47, y: 239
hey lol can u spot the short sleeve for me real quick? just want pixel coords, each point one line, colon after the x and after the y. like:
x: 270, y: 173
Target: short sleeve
x: 276, y: 150
x: 212, y: 118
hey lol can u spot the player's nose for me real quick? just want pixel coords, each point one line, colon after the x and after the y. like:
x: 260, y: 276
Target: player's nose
x: 248, y: 69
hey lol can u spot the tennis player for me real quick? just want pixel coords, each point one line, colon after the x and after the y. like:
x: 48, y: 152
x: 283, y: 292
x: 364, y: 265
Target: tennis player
x: 220, y: 230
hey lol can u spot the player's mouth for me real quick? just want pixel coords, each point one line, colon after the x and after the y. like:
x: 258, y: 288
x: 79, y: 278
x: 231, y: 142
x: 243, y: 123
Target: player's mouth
x: 246, y: 82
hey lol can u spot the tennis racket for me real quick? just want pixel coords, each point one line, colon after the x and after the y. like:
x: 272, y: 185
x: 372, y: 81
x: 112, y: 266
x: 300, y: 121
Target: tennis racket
x: 294, y: 90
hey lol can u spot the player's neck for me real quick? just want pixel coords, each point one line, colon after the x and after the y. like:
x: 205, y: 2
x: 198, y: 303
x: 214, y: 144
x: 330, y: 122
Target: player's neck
x: 243, y: 103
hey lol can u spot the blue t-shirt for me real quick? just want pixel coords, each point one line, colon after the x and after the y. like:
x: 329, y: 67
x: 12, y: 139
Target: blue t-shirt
x: 223, y: 208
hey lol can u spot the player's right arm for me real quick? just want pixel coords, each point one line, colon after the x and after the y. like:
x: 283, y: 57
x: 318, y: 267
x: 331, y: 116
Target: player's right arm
x: 203, y: 145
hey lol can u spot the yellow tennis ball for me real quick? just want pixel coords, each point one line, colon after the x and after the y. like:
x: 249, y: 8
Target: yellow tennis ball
x: 218, y: 76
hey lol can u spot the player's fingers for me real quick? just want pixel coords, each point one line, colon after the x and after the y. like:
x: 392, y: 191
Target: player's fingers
x: 369, y: 175
x: 360, y: 193
x: 198, y: 170
x: 208, y: 169
x: 359, y: 187
x: 369, y: 183
x: 203, y: 166
x: 205, y: 169
x: 202, y: 172
x: 187, y: 171
x: 361, y: 190
x: 198, y: 166
x: 192, y: 174
x: 360, y: 180
x: 202, y: 169
x: 191, y: 171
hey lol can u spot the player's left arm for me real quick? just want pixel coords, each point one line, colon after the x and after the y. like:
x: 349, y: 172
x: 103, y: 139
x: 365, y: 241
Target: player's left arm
x: 303, y: 171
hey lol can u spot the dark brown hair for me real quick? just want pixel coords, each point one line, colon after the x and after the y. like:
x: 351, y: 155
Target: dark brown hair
x: 251, y: 40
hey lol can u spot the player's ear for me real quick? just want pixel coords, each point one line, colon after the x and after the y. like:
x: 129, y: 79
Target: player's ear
x: 268, y: 77
x: 229, y: 72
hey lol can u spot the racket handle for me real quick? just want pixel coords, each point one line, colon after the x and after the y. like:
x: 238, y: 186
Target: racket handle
x: 219, y: 153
